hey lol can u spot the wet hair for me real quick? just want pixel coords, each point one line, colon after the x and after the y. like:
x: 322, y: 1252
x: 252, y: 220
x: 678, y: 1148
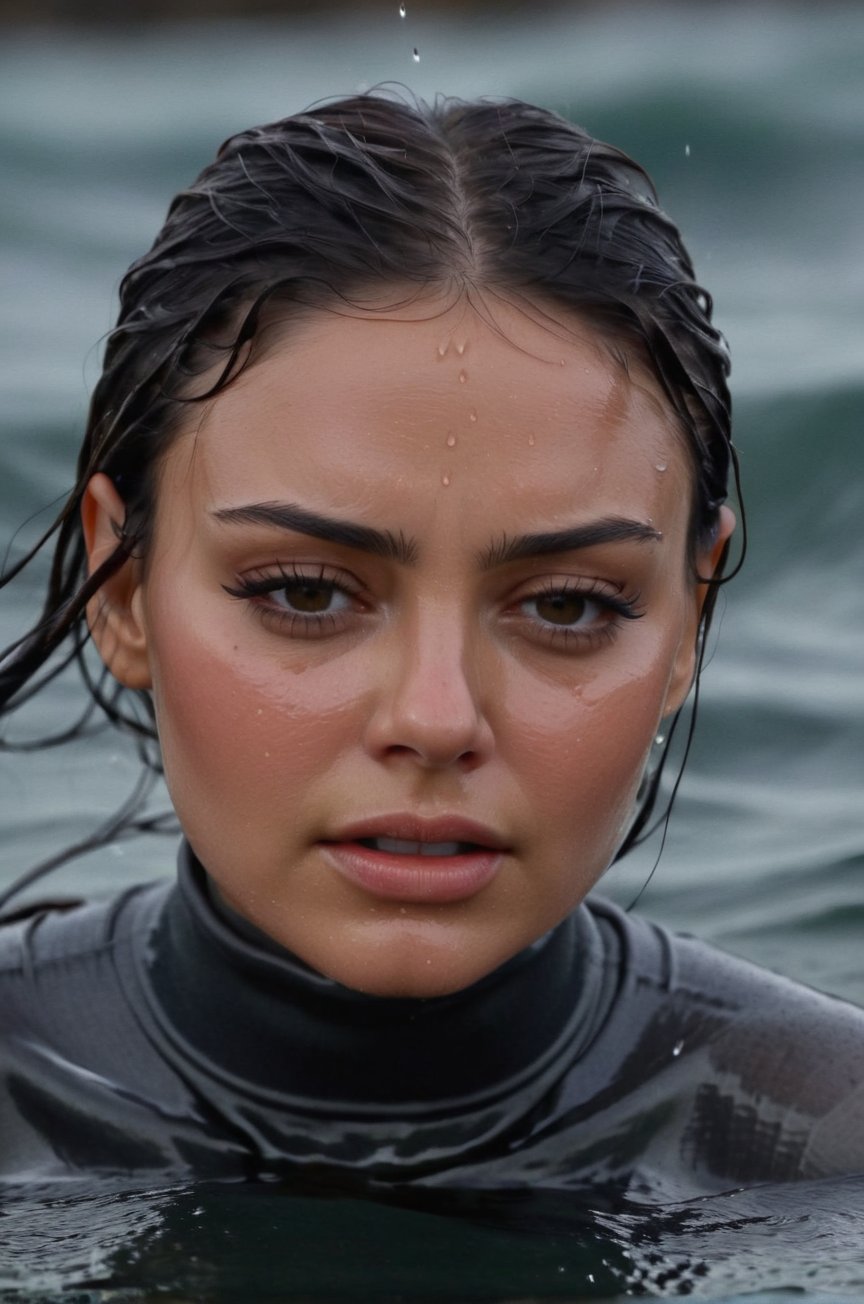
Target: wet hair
x: 327, y: 210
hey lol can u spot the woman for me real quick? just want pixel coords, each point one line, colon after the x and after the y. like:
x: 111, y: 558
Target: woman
x: 402, y: 513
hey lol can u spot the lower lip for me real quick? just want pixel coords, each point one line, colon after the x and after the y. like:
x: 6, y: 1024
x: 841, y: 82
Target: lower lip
x: 429, y: 879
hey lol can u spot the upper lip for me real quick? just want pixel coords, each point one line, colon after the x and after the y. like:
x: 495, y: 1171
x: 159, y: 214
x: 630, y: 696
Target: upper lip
x: 414, y: 828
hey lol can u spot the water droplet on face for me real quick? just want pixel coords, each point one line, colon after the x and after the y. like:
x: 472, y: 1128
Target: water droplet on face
x: 562, y: 363
x: 531, y: 441
x: 460, y: 348
x: 451, y: 440
x: 445, y: 480
x: 660, y: 466
x: 402, y: 11
x: 677, y: 1049
x: 443, y: 349
x: 463, y: 376
x: 416, y: 55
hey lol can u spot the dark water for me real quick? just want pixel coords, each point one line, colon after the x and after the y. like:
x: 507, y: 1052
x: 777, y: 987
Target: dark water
x: 751, y: 119
x: 262, y: 1243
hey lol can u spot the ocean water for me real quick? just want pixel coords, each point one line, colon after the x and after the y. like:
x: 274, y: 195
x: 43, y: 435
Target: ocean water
x: 751, y: 119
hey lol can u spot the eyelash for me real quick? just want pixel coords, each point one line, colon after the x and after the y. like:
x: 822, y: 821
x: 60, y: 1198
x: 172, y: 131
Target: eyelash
x: 617, y: 605
x: 257, y: 585
x: 261, y: 584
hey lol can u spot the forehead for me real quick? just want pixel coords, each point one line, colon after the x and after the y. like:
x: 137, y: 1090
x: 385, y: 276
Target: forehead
x: 479, y: 417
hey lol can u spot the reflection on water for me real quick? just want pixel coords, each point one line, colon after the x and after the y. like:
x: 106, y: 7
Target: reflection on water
x: 233, y: 1243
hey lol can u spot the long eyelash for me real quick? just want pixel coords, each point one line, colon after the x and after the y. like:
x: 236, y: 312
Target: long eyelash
x: 624, y: 605
x: 248, y: 586
x: 297, y: 624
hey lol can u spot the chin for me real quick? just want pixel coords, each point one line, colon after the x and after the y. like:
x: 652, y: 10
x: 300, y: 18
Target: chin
x: 409, y: 967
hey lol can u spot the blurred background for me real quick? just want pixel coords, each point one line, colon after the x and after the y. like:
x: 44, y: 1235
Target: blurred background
x: 751, y: 119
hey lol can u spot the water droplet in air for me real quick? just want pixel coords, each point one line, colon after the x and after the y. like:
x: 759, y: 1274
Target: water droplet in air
x: 591, y: 1276
x: 402, y: 11
x: 451, y: 440
x: 677, y: 1048
x: 472, y: 415
x: 686, y: 151
x: 660, y: 740
x: 531, y: 441
x: 445, y: 480
x: 660, y: 466
x: 415, y: 55
x: 463, y: 376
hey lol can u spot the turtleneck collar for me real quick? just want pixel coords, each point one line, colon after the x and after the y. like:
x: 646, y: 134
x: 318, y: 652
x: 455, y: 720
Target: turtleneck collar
x: 254, y: 1013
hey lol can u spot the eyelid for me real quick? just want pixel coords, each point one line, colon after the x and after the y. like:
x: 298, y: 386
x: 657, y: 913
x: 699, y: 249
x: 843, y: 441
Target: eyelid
x: 268, y: 579
x: 255, y: 586
x: 613, y: 604
x: 612, y: 594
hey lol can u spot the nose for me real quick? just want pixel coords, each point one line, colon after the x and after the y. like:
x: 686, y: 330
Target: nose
x: 429, y: 706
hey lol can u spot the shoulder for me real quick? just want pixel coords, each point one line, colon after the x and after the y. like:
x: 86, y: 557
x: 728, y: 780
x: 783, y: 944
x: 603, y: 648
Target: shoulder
x: 60, y: 969
x: 48, y: 934
x: 758, y: 1053
x: 700, y: 974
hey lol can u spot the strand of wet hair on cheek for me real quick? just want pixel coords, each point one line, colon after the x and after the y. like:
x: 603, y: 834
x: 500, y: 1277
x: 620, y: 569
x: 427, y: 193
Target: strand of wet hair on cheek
x: 664, y: 818
x: 642, y: 829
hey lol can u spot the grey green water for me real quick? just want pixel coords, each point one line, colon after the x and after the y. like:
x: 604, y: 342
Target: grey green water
x: 751, y: 119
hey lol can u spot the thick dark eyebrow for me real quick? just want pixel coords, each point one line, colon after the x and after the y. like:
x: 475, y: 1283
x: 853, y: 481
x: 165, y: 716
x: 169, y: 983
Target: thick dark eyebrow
x: 611, y: 529
x: 288, y: 516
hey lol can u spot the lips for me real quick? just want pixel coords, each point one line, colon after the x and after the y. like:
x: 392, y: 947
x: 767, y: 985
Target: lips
x: 401, y: 847
x: 405, y: 858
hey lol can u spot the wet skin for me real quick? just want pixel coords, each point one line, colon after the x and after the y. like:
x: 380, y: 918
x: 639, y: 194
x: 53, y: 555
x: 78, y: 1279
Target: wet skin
x: 305, y: 685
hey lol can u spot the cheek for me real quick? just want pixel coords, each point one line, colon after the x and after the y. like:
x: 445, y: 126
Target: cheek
x: 237, y: 729
x: 583, y: 748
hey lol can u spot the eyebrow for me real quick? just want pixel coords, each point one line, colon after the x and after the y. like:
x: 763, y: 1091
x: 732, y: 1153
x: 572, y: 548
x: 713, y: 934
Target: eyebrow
x: 288, y: 516
x: 609, y: 529
x: 399, y: 548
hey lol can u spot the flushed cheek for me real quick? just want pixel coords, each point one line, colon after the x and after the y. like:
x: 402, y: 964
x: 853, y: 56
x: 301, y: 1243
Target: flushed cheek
x: 233, y: 728
x: 582, y: 754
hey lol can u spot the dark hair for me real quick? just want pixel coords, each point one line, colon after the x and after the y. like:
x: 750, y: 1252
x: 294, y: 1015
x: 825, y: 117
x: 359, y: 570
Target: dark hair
x: 325, y: 208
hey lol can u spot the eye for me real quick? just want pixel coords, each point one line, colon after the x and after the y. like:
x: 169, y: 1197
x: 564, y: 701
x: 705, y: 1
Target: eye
x: 563, y: 607
x: 310, y: 597
x: 298, y: 602
x: 574, y: 614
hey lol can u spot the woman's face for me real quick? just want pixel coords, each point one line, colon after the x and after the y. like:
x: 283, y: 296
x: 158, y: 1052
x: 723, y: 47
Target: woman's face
x: 417, y: 602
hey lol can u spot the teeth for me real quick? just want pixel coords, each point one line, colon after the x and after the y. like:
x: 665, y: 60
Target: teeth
x: 398, y: 847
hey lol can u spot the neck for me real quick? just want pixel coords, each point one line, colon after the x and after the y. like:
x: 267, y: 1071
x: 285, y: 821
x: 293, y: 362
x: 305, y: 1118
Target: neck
x: 254, y: 1011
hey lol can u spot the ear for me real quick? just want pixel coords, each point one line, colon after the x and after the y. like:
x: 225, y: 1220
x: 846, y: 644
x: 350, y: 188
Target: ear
x: 115, y: 613
x: 685, y: 663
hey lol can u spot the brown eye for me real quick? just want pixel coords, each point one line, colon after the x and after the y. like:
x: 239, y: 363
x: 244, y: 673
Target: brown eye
x: 561, y: 608
x: 308, y: 598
